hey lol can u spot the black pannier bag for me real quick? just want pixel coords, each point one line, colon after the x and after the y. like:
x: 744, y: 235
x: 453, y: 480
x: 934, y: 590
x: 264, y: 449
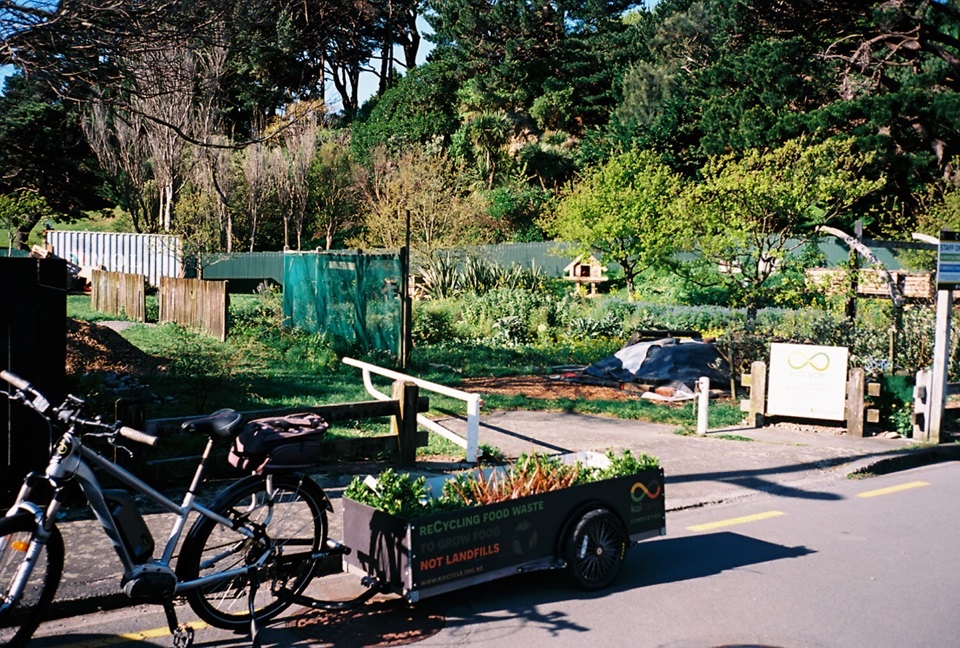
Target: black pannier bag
x: 289, y: 442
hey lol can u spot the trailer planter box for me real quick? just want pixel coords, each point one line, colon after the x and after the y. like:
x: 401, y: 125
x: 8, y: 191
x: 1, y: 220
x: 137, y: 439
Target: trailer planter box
x: 585, y: 528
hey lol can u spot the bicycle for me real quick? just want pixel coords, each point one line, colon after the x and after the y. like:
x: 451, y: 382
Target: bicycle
x: 247, y: 557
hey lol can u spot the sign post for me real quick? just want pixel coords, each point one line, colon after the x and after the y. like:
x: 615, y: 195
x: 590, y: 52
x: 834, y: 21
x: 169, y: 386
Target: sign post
x: 948, y: 276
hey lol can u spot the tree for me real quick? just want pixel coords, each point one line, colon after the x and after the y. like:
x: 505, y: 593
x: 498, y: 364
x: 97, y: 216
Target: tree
x: 291, y: 165
x: 258, y: 187
x: 518, y: 50
x: 165, y: 79
x: 419, y: 109
x: 680, y: 46
x: 333, y: 194
x: 121, y: 147
x: 19, y: 212
x: 487, y: 134
x: 216, y: 176
x: 43, y: 152
x: 425, y: 184
x: 622, y: 210
x: 750, y: 212
x: 396, y: 22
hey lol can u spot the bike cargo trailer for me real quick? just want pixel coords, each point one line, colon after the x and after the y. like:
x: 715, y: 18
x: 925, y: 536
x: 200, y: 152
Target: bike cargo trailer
x: 586, y: 528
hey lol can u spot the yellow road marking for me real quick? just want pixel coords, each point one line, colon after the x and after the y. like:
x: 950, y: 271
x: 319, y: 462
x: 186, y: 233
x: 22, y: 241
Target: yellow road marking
x: 733, y: 521
x: 893, y: 489
x: 159, y: 632
x: 131, y: 636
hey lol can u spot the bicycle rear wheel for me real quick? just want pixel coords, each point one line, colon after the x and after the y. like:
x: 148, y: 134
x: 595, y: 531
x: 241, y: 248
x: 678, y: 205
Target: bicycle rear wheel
x: 290, y: 520
x: 19, y: 621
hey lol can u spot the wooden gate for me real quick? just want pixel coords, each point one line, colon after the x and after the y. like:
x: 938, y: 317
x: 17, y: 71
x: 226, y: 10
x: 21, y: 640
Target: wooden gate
x: 33, y: 334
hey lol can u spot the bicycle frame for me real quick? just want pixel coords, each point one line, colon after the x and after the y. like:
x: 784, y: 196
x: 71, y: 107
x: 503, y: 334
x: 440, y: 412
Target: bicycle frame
x: 71, y: 458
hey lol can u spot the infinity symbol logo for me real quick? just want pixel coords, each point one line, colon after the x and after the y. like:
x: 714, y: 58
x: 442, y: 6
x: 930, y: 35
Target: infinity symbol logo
x: 819, y: 361
x: 646, y: 492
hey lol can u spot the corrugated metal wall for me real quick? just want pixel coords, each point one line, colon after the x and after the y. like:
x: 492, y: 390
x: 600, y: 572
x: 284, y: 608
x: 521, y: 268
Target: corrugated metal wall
x: 243, y: 265
x: 550, y: 257
x: 151, y: 255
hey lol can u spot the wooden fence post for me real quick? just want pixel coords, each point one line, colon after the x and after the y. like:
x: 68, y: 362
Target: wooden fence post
x: 758, y: 394
x: 855, y: 402
x: 404, y: 425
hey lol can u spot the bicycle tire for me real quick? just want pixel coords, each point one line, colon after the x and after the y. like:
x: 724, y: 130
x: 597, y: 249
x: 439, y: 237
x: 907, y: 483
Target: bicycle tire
x: 19, y: 622
x: 295, y: 518
x: 596, y: 549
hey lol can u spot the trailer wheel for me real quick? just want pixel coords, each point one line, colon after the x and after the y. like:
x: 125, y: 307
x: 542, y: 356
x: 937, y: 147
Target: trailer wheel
x: 596, y: 549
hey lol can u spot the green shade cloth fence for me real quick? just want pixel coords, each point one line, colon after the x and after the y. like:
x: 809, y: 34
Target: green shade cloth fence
x: 353, y: 297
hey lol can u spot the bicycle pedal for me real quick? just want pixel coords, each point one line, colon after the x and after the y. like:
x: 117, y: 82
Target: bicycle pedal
x: 371, y: 582
x: 183, y: 637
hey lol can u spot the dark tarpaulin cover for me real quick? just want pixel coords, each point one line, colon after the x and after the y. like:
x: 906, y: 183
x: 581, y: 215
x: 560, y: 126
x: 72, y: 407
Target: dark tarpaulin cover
x: 663, y: 361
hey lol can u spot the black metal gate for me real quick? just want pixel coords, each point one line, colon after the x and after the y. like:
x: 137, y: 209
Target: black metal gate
x: 33, y: 317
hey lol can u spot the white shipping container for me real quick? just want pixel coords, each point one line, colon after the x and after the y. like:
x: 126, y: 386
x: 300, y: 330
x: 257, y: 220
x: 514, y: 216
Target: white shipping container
x: 152, y: 255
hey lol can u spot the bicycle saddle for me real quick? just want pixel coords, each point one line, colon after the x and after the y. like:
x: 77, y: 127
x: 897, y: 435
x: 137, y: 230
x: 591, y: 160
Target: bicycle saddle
x: 224, y: 423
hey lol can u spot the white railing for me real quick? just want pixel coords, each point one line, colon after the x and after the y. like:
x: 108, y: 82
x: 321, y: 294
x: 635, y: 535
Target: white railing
x: 472, y: 441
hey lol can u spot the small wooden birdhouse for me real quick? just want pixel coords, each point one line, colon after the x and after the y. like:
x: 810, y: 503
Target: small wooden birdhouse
x: 586, y: 271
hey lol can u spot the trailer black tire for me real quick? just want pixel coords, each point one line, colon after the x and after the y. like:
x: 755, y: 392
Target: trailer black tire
x: 596, y: 548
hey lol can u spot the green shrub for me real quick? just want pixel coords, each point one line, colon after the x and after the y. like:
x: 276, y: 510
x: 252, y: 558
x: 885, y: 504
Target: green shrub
x: 895, y: 403
x: 432, y: 324
x: 439, y: 278
x: 582, y: 328
x: 480, y: 313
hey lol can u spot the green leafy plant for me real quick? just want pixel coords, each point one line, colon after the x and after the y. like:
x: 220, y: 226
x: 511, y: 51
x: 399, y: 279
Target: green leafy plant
x: 491, y: 456
x: 395, y: 493
x: 404, y: 496
x: 439, y: 278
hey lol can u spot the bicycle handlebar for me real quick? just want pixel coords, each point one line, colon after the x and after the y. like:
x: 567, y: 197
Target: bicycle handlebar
x: 138, y: 436
x: 15, y: 380
x: 70, y: 416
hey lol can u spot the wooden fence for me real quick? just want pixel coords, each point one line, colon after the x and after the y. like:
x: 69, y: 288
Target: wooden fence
x: 833, y: 281
x: 404, y: 438
x: 194, y: 303
x: 856, y: 412
x: 119, y: 293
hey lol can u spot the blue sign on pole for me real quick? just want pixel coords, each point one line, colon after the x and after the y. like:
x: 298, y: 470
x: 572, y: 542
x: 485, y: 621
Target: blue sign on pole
x: 948, y: 259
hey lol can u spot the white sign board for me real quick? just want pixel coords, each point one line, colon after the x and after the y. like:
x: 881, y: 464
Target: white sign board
x: 807, y: 381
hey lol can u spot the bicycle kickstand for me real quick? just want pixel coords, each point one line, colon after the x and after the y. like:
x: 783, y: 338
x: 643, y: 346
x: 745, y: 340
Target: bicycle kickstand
x: 182, y: 634
x: 254, y: 579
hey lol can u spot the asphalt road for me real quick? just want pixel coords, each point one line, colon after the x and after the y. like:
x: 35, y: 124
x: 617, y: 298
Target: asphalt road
x: 865, y: 563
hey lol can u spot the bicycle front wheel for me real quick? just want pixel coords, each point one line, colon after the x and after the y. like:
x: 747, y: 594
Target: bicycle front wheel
x: 287, y: 515
x: 19, y: 619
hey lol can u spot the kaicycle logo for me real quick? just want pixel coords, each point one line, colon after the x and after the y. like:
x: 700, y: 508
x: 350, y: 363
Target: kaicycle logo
x: 640, y: 491
x: 819, y: 361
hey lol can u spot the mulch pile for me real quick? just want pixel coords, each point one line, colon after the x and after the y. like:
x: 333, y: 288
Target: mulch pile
x: 91, y: 347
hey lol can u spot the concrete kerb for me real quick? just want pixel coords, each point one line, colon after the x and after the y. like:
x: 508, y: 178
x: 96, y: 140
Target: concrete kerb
x: 92, y: 581
x: 908, y: 459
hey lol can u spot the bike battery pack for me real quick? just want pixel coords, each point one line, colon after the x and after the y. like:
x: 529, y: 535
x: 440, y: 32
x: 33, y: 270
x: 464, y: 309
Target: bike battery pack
x: 133, y: 530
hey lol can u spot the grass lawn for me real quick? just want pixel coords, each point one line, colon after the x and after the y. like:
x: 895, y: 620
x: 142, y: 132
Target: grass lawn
x: 264, y: 366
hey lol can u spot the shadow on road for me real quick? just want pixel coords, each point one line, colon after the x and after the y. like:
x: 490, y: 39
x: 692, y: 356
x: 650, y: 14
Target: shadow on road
x: 670, y: 560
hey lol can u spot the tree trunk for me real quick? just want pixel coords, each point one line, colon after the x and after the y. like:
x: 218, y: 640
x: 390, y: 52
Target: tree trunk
x: 253, y: 227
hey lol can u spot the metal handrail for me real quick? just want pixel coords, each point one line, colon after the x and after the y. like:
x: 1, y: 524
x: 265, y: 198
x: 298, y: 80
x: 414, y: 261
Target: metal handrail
x: 472, y: 400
